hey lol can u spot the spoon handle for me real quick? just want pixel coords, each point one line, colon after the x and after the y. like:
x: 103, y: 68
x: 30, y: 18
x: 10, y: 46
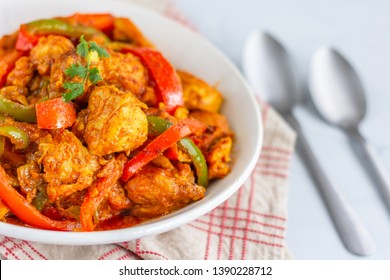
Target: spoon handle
x: 352, y: 232
x: 374, y: 164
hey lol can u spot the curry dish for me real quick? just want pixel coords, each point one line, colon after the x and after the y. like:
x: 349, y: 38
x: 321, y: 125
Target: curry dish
x: 98, y: 130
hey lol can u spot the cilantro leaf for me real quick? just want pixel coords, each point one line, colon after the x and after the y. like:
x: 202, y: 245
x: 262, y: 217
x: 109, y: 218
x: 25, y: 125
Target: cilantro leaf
x: 71, y: 86
x: 94, y: 75
x: 101, y: 51
x: 76, y: 70
x: 82, y: 47
x: 75, y: 90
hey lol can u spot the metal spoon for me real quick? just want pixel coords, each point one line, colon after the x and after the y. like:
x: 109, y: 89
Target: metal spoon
x: 268, y: 68
x: 339, y: 97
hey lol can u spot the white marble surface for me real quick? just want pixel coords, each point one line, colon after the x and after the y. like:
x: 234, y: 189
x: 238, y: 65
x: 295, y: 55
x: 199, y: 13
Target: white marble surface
x: 360, y: 29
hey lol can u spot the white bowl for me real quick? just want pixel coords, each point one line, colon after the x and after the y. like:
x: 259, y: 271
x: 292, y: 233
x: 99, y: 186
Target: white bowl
x: 187, y: 51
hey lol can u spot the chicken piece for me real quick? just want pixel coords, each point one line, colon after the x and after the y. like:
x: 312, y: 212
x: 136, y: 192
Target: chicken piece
x: 156, y: 191
x: 68, y: 165
x: 7, y: 42
x: 15, y: 93
x: 30, y: 177
x: 12, y: 158
x: 163, y: 162
x: 79, y: 126
x: 219, y: 157
x: 126, y: 31
x: 38, y: 83
x: 116, y: 122
x: 76, y: 199
x: 218, y: 127
x: 148, y: 97
x: 117, y: 198
x: 38, y: 89
x: 181, y: 113
x: 48, y: 50
x: 22, y: 73
x: 126, y: 72
x: 198, y: 95
x: 114, y: 206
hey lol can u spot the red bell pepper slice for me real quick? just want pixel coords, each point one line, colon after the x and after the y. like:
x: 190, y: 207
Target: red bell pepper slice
x: 172, y: 152
x: 26, y: 41
x: 102, y: 22
x: 99, y: 191
x: 7, y: 63
x: 162, y: 142
x: 167, y: 84
x: 55, y: 113
x: 92, y: 201
x: 25, y: 211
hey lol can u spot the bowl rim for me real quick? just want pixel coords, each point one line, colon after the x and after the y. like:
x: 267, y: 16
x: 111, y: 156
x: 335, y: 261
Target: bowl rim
x: 161, y: 224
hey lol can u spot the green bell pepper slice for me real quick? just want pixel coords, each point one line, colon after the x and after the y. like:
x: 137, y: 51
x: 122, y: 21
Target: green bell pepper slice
x: 17, y: 136
x: 157, y: 125
x: 29, y: 33
x: 18, y: 111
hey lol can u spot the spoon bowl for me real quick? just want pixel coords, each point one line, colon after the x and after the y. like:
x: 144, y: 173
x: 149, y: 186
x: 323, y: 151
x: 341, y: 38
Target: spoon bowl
x: 336, y: 89
x: 338, y: 94
x: 263, y: 56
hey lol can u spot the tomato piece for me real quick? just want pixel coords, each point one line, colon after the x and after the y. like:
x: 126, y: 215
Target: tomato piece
x: 55, y: 113
x: 25, y: 211
x: 166, y: 82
